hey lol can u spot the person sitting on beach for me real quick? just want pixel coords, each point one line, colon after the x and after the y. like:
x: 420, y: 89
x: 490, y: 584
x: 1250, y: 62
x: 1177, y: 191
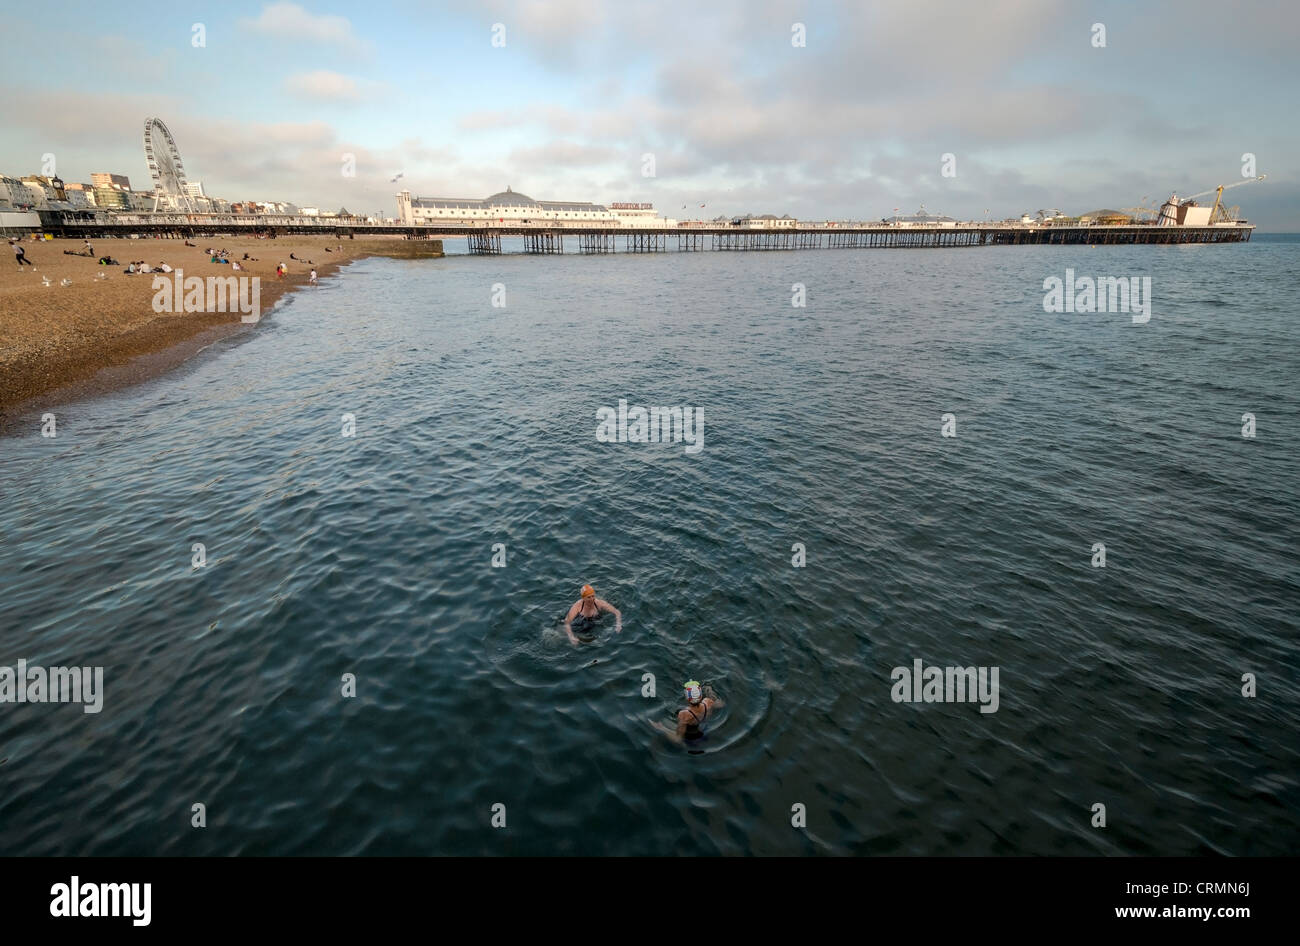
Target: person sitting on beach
x: 144, y: 267
x: 291, y: 256
x: 163, y: 267
x: 328, y: 250
x: 130, y: 269
x: 586, y: 611
x: 188, y: 243
x: 700, y: 700
x: 236, y: 267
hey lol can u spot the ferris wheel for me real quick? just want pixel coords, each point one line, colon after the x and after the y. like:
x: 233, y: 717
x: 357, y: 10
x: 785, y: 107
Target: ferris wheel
x: 165, y: 167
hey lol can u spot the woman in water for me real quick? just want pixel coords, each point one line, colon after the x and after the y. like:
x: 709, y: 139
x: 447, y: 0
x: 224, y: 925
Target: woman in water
x: 691, y: 720
x: 586, y: 611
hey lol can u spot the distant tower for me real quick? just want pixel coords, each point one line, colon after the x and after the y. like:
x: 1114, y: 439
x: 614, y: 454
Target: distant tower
x: 404, y: 208
x: 165, y: 167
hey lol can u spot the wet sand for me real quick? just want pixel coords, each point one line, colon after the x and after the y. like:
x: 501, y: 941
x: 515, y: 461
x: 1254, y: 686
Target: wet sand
x: 93, y: 335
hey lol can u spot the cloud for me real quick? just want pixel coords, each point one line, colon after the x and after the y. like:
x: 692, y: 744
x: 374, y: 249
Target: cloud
x: 324, y: 86
x: 566, y: 154
x: 493, y: 119
x: 289, y: 21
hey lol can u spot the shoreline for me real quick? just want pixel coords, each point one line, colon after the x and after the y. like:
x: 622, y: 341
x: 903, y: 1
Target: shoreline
x: 98, y: 335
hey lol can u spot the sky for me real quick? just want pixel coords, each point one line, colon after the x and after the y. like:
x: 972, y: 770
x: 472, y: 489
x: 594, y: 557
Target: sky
x: 565, y: 100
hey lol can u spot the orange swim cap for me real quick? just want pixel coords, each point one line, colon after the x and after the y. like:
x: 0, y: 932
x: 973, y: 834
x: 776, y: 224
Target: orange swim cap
x: 588, y: 591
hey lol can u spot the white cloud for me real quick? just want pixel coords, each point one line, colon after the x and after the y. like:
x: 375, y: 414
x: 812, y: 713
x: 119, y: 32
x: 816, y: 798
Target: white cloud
x: 323, y: 85
x: 289, y: 21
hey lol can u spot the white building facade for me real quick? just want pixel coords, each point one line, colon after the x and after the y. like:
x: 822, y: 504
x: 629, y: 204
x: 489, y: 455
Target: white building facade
x: 769, y: 222
x: 509, y: 208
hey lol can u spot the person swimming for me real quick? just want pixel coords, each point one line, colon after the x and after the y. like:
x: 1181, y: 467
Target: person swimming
x: 586, y: 611
x: 691, y: 720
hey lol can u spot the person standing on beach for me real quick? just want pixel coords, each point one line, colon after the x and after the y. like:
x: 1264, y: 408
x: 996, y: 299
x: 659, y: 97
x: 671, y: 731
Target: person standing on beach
x: 280, y: 271
x: 312, y: 277
x: 21, y: 255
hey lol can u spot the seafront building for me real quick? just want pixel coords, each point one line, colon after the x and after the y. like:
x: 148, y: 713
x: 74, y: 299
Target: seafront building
x: 100, y: 178
x: 13, y: 192
x: 108, y: 197
x: 512, y: 208
x: 80, y: 196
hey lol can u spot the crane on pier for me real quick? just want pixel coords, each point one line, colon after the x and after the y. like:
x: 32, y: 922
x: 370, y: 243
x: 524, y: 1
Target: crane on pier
x: 1218, y: 214
x: 1141, y: 213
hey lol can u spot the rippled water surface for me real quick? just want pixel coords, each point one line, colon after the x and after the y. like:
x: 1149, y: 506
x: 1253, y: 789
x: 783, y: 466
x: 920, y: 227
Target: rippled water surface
x: 372, y: 555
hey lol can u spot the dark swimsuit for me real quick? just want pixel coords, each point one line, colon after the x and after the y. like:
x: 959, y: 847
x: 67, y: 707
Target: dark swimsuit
x: 584, y: 624
x: 693, y: 730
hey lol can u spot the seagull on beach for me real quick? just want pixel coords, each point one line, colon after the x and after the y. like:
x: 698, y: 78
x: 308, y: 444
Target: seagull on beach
x: 45, y: 280
x: 65, y: 282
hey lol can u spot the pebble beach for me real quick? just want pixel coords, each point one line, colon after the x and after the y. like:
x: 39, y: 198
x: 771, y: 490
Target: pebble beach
x: 54, y: 334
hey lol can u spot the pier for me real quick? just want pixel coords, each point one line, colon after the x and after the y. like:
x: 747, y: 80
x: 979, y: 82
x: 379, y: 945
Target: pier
x: 701, y: 239
x: 590, y: 239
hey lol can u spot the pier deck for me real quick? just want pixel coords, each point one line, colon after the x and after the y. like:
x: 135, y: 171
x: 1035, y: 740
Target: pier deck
x: 594, y: 239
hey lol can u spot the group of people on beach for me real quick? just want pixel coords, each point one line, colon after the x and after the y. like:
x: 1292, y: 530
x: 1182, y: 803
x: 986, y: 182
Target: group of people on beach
x: 135, y: 267
x: 223, y: 258
x: 141, y: 266
x: 700, y: 698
